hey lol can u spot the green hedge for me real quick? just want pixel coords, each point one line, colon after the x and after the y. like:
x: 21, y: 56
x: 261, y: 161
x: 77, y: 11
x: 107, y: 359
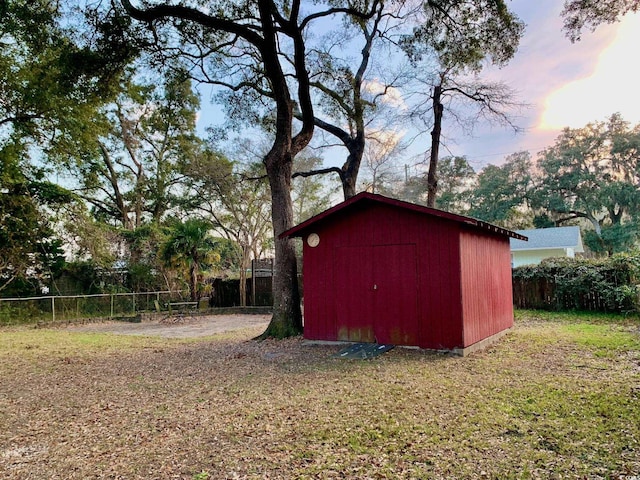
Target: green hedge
x: 607, y: 285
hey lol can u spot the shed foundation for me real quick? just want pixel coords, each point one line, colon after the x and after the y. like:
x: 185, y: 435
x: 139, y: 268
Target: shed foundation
x: 461, y: 352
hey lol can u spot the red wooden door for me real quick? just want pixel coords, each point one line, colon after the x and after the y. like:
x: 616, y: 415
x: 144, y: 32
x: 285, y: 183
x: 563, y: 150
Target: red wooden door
x: 353, y: 288
x: 376, y: 294
x: 396, y: 294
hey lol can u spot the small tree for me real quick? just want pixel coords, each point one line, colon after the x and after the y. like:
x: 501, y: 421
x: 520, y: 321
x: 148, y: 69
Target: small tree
x: 191, y: 246
x: 380, y: 153
x: 456, y: 177
x: 235, y: 196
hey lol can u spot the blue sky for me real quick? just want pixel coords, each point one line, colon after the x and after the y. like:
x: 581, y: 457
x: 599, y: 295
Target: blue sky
x: 565, y: 84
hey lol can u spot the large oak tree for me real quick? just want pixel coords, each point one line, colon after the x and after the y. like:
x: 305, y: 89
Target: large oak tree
x: 235, y: 196
x: 130, y: 172
x: 455, y: 37
x: 593, y: 173
x: 249, y: 37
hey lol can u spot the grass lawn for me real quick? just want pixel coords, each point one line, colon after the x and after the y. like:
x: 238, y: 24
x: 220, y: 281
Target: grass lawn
x: 558, y: 397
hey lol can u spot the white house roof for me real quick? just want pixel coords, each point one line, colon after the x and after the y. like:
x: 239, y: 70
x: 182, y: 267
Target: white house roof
x: 549, y: 238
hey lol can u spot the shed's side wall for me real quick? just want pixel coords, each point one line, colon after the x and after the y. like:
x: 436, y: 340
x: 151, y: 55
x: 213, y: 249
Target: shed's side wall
x: 437, y: 266
x: 486, y: 285
x: 440, y: 285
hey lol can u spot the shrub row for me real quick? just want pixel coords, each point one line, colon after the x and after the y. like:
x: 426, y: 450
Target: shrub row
x: 607, y: 285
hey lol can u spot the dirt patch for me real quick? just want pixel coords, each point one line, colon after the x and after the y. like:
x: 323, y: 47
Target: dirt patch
x: 187, y: 327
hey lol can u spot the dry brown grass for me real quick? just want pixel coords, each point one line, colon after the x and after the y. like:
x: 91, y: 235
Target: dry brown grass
x: 553, y: 399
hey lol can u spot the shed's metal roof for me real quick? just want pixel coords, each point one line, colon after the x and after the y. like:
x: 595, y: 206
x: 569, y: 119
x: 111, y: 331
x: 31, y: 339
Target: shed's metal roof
x: 547, y: 238
x: 365, y: 197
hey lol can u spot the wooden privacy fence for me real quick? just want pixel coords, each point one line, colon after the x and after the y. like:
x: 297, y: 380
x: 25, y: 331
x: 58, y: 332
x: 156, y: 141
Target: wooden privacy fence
x: 259, y: 287
x: 610, y: 284
x: 226, y: 292
x: 533, y: 293
x: 562, y: 294
x: 544, y: 294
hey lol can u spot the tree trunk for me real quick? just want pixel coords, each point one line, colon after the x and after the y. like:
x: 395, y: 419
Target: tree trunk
x: 118, y: 197
x: 351, y: 167
x: 596, y: 224
x: 432, y: 177
x: 287, y: 314
x: 193, y: 282
x: 349, y: 187
x: 244, y: 265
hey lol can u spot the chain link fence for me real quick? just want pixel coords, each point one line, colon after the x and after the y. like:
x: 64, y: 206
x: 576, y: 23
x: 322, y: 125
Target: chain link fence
x: 76, y: 308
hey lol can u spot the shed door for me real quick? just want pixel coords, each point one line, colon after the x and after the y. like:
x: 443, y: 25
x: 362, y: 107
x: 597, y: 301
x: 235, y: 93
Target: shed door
x: 376, y: 293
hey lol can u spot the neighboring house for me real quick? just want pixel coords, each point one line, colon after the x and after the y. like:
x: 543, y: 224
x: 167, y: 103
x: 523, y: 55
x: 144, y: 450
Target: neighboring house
x: 380, y: 270
x: 545, y: 243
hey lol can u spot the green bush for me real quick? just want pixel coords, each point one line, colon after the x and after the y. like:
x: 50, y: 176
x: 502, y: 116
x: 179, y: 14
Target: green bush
x: 609, y: 284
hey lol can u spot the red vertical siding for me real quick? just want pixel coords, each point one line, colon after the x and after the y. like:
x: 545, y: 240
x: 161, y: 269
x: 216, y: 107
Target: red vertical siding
x: 375, y: 290
x: 486, y: 285
x: 440, y: 285
x: 353, y: 293
x: 319, y: 306
x: 395, y: 294
x: 426, y: 282
x: 386, y: 273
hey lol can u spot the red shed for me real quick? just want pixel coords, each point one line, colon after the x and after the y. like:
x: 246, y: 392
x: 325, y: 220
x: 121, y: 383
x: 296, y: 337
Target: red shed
x: 386, y: 271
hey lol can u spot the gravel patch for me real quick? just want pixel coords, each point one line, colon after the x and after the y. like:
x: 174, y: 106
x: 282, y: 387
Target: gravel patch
x: 187, y: 327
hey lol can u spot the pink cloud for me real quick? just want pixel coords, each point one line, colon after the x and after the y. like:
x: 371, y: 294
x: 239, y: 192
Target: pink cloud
x: 545, y: 62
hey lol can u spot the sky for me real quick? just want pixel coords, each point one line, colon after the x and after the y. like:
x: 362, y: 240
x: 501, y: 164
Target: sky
x: 566, y: 84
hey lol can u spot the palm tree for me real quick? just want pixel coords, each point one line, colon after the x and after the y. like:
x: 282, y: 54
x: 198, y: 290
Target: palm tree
x: 191, y: 246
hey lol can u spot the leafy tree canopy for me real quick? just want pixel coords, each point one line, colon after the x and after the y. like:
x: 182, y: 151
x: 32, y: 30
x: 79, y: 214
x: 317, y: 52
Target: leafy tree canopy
x: 30, y: 252
x: 130, y: 172
x: 502, y: 190
x: 191, y: 245
x: 50, y: 77
x: 579, y: 14
x: 593, y: 173
x: 466, y: 32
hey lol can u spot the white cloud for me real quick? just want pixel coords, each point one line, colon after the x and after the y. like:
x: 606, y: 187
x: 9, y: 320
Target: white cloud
x: 611, y: 87
x: 392, y: 96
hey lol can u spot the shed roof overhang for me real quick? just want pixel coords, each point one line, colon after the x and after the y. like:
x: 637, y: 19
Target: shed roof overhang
x: 365, y: 198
